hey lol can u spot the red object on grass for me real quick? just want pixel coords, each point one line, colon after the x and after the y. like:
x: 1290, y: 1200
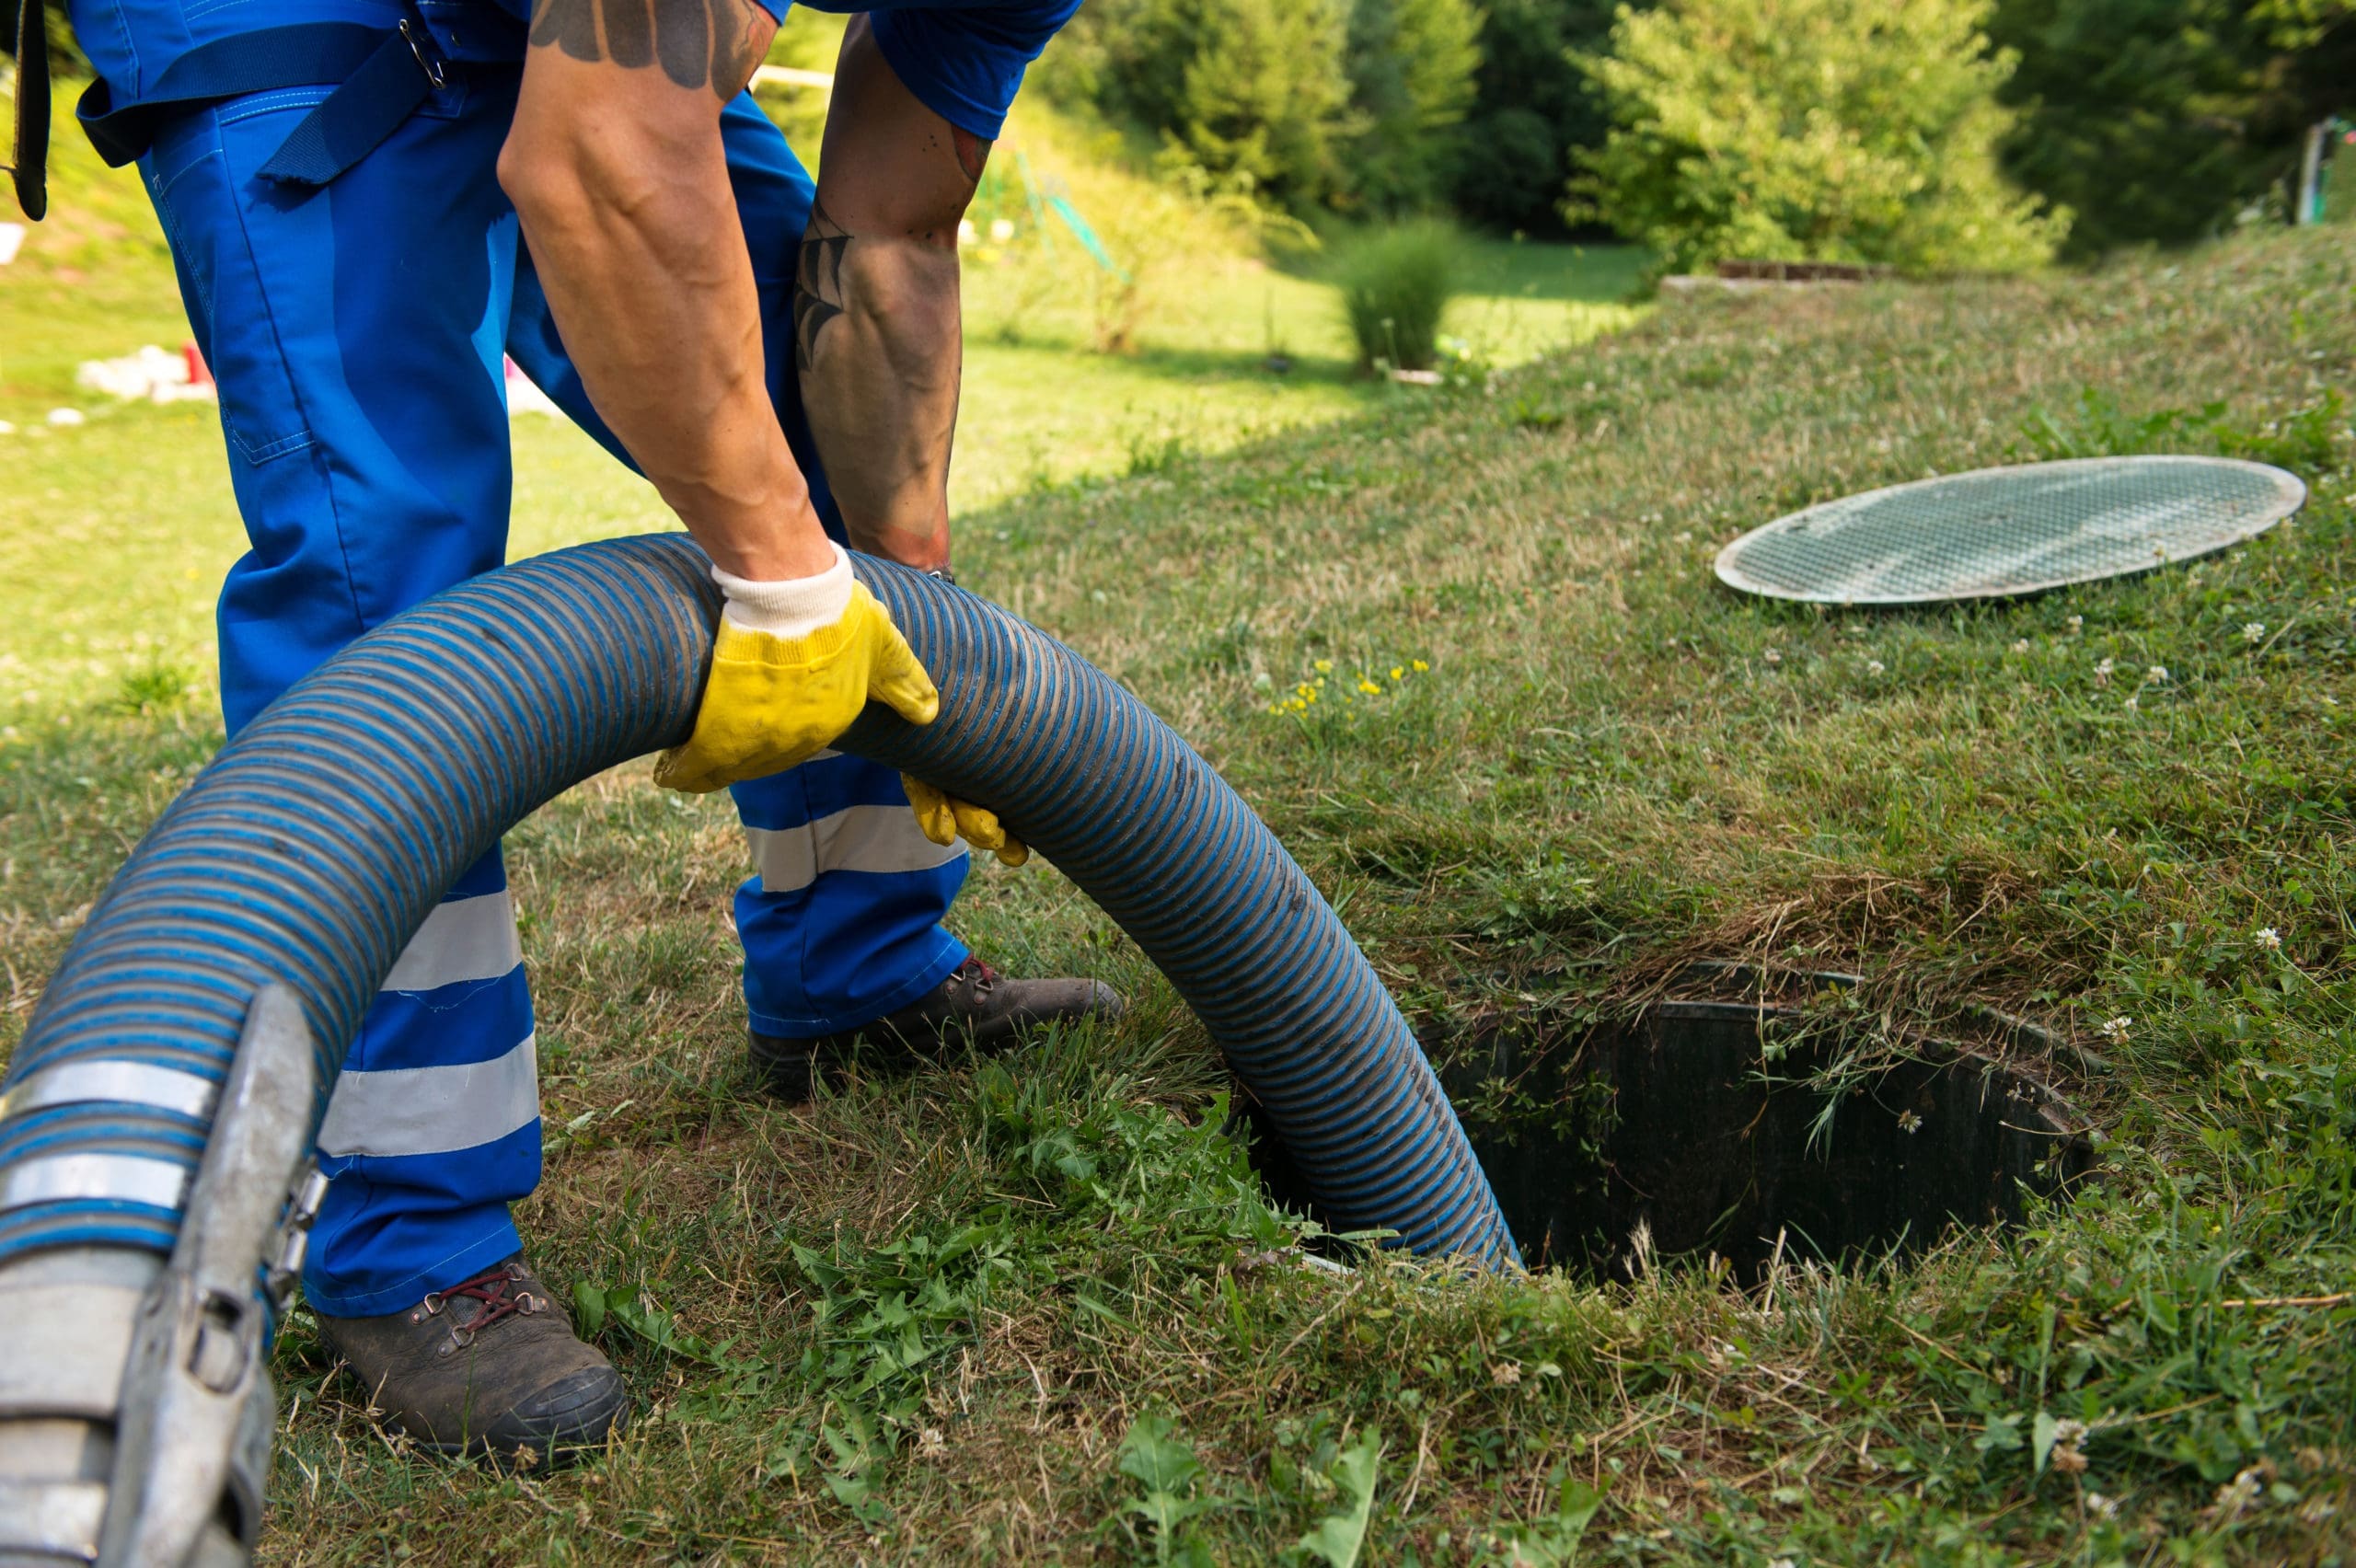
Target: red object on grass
x: 199, y: 373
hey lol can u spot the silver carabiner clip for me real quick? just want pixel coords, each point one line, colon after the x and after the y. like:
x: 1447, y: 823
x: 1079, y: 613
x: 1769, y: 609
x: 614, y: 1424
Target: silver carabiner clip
x: 434, y: 67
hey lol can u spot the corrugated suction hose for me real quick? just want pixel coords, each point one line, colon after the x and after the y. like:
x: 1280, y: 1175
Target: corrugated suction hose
x: 317, y: 842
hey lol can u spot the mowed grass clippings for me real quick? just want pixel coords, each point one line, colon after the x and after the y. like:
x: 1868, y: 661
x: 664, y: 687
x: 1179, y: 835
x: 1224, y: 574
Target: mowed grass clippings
x: 1034, y: 1310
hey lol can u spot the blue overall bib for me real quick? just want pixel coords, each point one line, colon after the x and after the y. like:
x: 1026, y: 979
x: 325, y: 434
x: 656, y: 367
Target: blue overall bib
x: 355, y: 321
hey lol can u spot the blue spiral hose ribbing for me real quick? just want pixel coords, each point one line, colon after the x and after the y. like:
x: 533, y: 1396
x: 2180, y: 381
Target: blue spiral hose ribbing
x: 317, y: 842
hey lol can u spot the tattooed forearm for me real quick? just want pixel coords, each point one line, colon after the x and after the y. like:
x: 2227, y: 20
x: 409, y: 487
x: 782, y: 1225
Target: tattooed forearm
x: 876, y: 339
x: 698, y: 44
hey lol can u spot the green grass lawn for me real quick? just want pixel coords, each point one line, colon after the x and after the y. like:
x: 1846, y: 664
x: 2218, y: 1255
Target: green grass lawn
x: 1021, y: 1311
x: 126, y: 524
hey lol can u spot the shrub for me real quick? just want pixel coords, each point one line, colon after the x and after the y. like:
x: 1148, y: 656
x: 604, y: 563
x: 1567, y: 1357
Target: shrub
x: 1395, y: 286
x: 1030, y: 275
x: 1812, y: 130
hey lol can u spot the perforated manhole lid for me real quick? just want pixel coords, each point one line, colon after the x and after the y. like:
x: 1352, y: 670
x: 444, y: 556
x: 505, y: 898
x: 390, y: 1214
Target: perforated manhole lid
x: 1996, y: 533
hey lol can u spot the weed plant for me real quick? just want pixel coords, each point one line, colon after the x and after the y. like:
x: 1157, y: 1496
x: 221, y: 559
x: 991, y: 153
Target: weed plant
x: 1395, y: 284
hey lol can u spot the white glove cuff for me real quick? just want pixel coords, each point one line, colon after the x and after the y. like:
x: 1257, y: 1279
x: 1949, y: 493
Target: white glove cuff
x: 793, y: 608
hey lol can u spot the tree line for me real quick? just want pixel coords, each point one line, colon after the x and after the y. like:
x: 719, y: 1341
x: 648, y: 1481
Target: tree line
x: 1918, y: 133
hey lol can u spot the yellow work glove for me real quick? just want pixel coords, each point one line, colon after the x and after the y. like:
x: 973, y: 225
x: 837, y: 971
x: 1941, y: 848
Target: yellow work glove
x: 946, y: 819
x: 795, y: 665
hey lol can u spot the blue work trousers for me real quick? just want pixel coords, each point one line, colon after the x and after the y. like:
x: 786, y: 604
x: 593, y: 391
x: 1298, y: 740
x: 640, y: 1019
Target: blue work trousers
x: 357, y: 332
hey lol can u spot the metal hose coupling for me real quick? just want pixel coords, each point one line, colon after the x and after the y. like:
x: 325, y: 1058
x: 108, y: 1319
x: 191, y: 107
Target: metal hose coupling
x: 135, y: 1404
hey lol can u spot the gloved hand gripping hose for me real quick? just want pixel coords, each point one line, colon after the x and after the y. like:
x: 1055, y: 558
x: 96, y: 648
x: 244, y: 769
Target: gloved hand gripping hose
x: 317, y: 842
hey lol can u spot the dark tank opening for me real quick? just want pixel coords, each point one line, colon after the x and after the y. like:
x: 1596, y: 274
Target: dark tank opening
x: 1706, y: 1125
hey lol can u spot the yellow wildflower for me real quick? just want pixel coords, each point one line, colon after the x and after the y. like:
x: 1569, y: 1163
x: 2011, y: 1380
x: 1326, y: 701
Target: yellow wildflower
x: 1324, y: 667
x: 1369, y: 688
x: 1419, y: 666
x: 1397, y: 674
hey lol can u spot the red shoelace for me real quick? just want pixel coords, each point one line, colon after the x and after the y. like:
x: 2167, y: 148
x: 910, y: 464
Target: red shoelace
x: 497, y: 1290
x: 976, y: 972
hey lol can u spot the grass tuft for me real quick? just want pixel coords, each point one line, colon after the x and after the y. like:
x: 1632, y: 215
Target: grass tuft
x: 1395, y: 284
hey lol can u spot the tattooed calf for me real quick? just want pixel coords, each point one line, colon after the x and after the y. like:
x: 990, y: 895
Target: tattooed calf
x: 817, y: 284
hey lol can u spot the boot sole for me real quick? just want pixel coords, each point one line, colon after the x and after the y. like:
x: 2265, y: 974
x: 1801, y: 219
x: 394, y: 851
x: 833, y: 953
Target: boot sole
x: 790, y: 1070
x: 568, y: 1443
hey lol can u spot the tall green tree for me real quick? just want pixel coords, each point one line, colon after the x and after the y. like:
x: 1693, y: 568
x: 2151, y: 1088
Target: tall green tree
x: 1346, y: 103
x: 1254, y: 92
x: 1411, y: 66
x: 1808, y: 130
x: 1531, y: 106
x: 2158, y: 121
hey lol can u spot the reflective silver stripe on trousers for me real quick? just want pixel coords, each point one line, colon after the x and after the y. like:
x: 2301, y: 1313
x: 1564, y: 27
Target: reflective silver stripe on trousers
x: 121, y: 1178
x: 404, y: 1111
x: 465, y: 939
x: 52, y: 1518
x: 134, y: 1083
x: 856, y: 839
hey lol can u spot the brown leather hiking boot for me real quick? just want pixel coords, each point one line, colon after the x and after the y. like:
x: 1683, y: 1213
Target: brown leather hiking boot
x: 489, y: 1366
x: 976, y: 1005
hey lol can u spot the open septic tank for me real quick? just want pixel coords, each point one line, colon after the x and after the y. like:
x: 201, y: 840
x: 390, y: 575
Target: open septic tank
x: 1735, y: 1116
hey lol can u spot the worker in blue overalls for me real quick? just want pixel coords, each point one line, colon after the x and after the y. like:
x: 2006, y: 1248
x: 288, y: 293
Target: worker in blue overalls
x: 370, y: 202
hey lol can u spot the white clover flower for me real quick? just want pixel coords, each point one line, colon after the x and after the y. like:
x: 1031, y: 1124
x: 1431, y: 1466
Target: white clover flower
x: 2268, y: 938
x: 2116, y: 1028
x: 2021, y: 645
x: 2156, y: 674
x: 1874, y: 666
x: 2235, y: 1498
x: 2102, y: 1507
x: 2134, y: 705
x: 2077, y: 624
x: 2254, y: 631
x: 1772, y: 657
x: 1907, y: 1122
x: 2102, y: 673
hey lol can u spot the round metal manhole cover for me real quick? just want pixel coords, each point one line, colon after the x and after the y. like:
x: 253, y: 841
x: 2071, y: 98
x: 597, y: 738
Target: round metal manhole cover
x: 1996, y: 533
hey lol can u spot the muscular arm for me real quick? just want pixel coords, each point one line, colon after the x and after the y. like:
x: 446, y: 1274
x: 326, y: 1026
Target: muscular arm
x: 616, y: 167
x: 877, y: 332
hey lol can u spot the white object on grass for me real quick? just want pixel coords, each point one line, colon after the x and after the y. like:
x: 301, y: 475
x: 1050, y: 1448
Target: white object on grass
x: 150, y: 374
x: 65, y: 416
x: 12, y: 239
